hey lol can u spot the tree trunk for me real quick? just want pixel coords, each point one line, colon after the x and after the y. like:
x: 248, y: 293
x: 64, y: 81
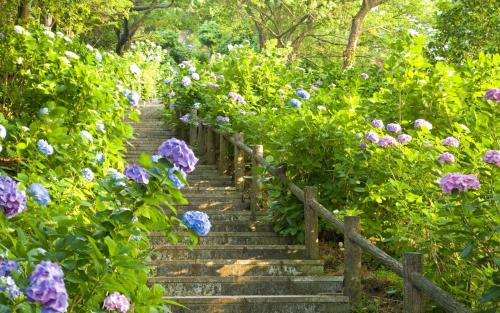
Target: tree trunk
x: 357, y: 21
x: 23, y: 10
x: 123, y: 37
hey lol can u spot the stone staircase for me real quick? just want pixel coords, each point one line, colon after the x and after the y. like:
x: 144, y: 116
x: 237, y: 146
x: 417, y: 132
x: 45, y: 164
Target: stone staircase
x: 241, y: 266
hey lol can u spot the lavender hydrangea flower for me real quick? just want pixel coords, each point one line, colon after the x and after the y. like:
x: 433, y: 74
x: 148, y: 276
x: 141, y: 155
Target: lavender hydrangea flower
x: 100, y: 157
x: 195, y: 76
x: 213, y: 85
x: 3, y: 132
x: 88, y: 174
x: 175, y: 179
x: 492, y: 94
x: 363, y: 76
x: 362, y: 145
x: 171, y: 93
x: 133, y: 98
x: 222, y: 119
x: 377, y: 123
x: 198, y: 222
x: 421, y: 123
x: 371, y: 136
x: 236, y: 97
x: 12, y: 199
x: 492, y: 157
x: 7, y: 267
x: 125, y: 92
x: 450, y: 141
x: 387, y: 141
x: 446, y: 158
x: 137, y: 173
x: 44, y: 147
x: 404, y: 138
x: 394, y: 128
x: 184, y: 118
x: 295, y: 103
x: 47, y: 287
x: 86, y: 136
x: 9, y: 287
x: 40, y: 193
x: 179, y: 154
x: 456, y: 182
x: 155, y: 158
x: 168, y: 80
x: 186, y: 81
x: 301, y: 93
x: 116, y: 302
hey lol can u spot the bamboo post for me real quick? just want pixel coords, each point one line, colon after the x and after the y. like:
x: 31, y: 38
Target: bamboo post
x: 223, y: 155
x: 352, y: 260
x: 311, y: 223
x: 239, y: 164
x: 413, y: 298
x: 258, y: 151
x: 193, y: 128
x: 210, y: 146
x: 201, y: 139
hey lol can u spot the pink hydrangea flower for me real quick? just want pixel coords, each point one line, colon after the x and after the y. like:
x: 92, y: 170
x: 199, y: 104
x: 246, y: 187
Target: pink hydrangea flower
x: 387, y: 141
x: 450, y: 141
x: 446, y: 158
x: 116, y: 302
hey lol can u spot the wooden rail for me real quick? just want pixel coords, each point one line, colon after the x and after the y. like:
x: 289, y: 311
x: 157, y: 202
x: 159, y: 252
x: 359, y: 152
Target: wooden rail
x: 411, y: 269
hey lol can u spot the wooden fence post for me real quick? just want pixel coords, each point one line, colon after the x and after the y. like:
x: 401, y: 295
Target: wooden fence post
x: 239, y: 164
x: 193, y: 127
x: 210, y: 145
x: 201, y: 139
x: 311, y: 223
x: 413, y: 298
x: 258, y: 151
x: 223, y: 155
x: 352, y: 261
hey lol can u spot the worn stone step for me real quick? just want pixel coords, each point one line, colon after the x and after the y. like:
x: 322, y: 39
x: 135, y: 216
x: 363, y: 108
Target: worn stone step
x: 209, y: 190
x: 180, y: 252
x: 213, y: 197
x: 214, y: 206
x: 231, y: 238
x: 200, y: 175
x: 238, y: 267
x: 210, y: 182
x: 250, y: 285
x: 241, y: 226
x: 262, y: 304
x: 228, y: 215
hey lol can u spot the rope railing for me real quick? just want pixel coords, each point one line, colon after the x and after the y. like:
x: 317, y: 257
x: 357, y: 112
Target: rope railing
x: 416, y: 285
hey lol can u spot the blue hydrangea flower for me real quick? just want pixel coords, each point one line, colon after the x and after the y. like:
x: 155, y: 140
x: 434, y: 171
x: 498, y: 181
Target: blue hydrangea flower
x: 373, y: 137
x: 185, y: 118
x: 12, y: 199
x: 7, y: 267
x: 9, y: 287
x: 137, y: 173
x: 86, y: 136
x: 125, y: 92
x: 295, y: 103
x: 175, y: 179
x: 133, y: 98
x: 364, y: 76
x: 377, y: 123
x: 44, y: 147
x: 404, y: 138
x: 179, y: 154
x: 195, y: 76
x: 222, y: 119
x: 43, y: 111
x: 100, y: 127
x: 301, y: 93
x: 168, y: 81
x: 198, y: 222
x: 89, y: 175
x: 421, y: 123
x: 40, y: 193
x: 3, y: 132
x: 100, y: 157
x: 155, y: 158
x: 186, y: 81
x: 47, y: 287
x: 394, y: 128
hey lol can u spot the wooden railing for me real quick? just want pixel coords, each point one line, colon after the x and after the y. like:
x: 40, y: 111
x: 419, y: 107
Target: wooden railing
x: 213, y: 145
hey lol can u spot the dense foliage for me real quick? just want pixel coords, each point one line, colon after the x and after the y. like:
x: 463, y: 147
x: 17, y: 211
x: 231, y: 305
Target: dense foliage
x: 383, y: 145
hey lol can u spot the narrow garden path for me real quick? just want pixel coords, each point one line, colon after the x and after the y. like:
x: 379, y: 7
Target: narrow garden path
x: 241, y: 266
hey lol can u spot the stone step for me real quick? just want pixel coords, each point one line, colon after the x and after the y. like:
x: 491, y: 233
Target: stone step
x: 210, y: 182
x: 231, y: 238
x: 215, y: 206
x: 262, y: 304
x: 250, y: 285
x: 180, y: 252
x: 241, y: 226
x: 228, y: 215
x: 238, y: 267
x: 208, y: 176
x: 209, y: 190
x: 213, y: 197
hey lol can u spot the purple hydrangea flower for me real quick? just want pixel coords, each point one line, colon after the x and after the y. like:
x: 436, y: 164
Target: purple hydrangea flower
x: 373, y: 137
x: 116, y: 302
x: 44, y: 147
x: 213, y: 85
x: 137, y: 173
x: 12, y: 199
x: 450, y: 141
x: 394, y: 128
x: 362, y: 145
x: 492, y: 94
x: 222, y: 119
x: 387, y: 141
x: 301, y: 93
x: 7, y: 267
x: 179, y: 154
x: 89, y: 175
x: 185, y: 118
x: 452, y: 182
x: 40, y: 193
x: 47, y: 287
x: 377, y: 123
x: 8, y: 286
x: 446, y: 158
x: 133, y: 98
x: 295, y: 103
x: 175, y: 179
x: 186, y: 81
x: 404, y: 138
x: 421, y: 123
x: 168, y: 81
x: 236, y: 97
x: 198, y: 222
x: 492, y: 157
